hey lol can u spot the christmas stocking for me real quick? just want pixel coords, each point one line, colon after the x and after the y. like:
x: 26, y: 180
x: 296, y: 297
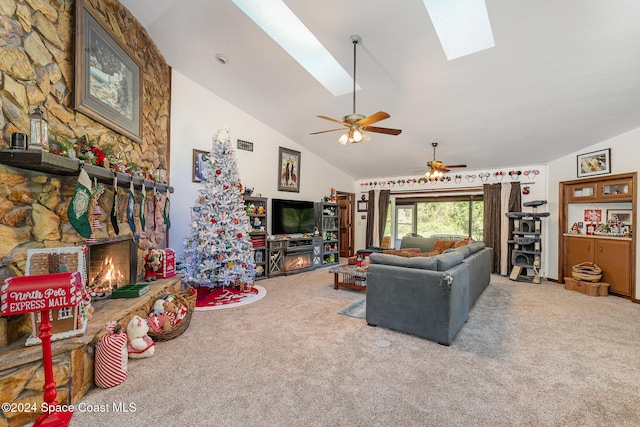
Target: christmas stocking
x: 114, y: 208
x: 165, y: 211
x: 131, y: 203
x: 143, y: 209
x: 78, y: 210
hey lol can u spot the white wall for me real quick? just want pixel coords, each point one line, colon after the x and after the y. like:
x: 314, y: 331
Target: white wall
x: 196, y: 115
x: 624, y: 159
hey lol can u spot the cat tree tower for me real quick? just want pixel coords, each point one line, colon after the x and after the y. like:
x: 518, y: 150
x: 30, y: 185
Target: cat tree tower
x: 526, y: 244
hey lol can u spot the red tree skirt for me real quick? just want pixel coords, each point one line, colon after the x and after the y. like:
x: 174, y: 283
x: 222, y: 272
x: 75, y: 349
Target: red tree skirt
x: 225, y: 297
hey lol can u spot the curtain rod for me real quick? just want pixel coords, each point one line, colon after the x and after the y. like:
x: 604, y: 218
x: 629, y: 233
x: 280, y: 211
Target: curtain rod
x: 451, y: 190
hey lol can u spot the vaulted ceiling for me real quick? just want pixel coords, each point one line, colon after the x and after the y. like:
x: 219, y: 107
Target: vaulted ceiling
x: 563, y: 75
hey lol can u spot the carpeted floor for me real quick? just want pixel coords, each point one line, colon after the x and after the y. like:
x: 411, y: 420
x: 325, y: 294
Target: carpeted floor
x: 534, y: 355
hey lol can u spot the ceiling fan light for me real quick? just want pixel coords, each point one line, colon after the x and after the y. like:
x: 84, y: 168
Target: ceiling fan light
x: 344, y: 138
x: 356, y: 135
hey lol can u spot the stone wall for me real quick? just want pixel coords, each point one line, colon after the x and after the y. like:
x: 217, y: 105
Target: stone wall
x: 37, y: 68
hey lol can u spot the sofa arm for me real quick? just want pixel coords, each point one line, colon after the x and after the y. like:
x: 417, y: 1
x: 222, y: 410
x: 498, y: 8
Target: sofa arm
x: 430, y: 304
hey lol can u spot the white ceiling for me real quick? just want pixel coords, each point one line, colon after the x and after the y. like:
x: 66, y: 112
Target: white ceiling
x: 563, y: 75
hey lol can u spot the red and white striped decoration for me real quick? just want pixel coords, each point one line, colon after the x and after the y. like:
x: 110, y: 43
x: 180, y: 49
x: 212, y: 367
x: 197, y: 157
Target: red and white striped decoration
x: 111, y: 359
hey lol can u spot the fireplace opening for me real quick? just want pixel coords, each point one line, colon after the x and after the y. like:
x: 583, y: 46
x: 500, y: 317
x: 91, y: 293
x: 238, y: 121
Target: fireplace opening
x: 111, y: 265
x: 297, y: 261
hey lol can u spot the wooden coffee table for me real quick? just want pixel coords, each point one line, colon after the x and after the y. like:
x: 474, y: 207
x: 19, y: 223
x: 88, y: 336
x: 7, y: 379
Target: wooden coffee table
x: 349, y: 276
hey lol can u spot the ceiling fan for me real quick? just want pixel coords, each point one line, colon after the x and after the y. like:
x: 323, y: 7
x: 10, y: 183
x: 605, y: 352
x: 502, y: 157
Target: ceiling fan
x: 357, y: 123
x: 437, y: 169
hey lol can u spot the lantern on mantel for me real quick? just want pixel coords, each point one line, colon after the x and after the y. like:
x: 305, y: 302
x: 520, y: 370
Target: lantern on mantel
x: 161, y: 174
x: 39, y: 135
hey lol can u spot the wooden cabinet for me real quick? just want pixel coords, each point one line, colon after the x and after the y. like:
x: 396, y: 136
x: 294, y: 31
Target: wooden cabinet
x: 256, y: 208
x: 616, y: 256
x: 612, y: 255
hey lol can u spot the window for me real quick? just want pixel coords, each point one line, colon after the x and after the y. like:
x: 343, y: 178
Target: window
x: 462, y: 215
x: 405, y: 220
x: 65, y: 313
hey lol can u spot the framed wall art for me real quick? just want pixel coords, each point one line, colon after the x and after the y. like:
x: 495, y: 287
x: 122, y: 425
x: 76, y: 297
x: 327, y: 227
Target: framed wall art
x: 107, y: 78
x: 594, y: 163
x: 199, y: 159
x: 362, y: 205
x: 619, y: 215
x: 288, y: 170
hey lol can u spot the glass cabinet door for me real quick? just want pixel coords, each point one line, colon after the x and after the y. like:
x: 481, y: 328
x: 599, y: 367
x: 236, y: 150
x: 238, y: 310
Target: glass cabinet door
x: 618, y: 189
x: 582, y: 192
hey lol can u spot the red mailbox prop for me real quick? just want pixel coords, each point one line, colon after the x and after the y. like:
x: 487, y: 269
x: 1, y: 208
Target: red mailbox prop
x: 43, y: 293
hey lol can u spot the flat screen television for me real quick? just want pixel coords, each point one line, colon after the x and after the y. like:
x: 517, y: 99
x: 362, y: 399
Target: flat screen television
x: 292, y: 216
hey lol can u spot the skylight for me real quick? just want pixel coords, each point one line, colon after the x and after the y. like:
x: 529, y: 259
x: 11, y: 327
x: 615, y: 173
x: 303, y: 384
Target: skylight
x: 280, y: 23
x: 463, y: 26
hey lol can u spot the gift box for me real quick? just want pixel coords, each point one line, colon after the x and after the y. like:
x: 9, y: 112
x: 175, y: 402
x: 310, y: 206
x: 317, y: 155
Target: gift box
x: 167, y: 264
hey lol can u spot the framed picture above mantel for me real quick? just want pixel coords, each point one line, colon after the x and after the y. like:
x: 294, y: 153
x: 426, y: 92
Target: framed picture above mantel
x: 107, y: 77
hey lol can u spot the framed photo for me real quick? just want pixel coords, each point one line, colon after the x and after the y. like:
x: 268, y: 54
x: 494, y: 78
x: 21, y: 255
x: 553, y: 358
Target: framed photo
x: 288, y: 170
x: 107, y: 78
x: 199, y: 159
x: 593, y: 215
x: 362, y: 205
x: 622, y: 215
x: 595, y: 163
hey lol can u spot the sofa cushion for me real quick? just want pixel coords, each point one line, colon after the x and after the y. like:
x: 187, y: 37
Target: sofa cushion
x: 425, y: 244
x: 475, y: 247
x: 464, y: 250
x: 448, y: 260
x: 442, y: 245
x: 419, y: 262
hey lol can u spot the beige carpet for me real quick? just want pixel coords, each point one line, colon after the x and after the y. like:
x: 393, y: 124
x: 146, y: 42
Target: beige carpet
x: 534, y: 355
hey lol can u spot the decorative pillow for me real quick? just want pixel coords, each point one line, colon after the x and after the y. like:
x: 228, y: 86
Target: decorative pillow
x: 442, y: 245
x: 462, y: 242
x: 408, y: 252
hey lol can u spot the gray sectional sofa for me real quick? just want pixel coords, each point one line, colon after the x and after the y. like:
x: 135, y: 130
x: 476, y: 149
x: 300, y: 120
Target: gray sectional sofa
x: 427, y: 296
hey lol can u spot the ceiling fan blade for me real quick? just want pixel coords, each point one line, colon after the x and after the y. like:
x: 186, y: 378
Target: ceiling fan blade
x: 376, y: 117
x: 334, y: 120
x: 388, y: 131
x: 455, y: 166
x: 325, y: 131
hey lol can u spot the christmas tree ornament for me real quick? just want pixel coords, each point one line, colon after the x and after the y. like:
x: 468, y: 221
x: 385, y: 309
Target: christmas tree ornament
x: 78, y: 210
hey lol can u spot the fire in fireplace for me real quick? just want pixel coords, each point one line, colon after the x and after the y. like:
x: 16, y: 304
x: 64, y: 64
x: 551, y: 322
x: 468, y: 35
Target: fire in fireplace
x: 297, y: 261
x: 112, y: 264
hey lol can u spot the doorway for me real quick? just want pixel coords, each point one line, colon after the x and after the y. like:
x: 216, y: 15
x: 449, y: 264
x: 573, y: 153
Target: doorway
x: 346, y: 204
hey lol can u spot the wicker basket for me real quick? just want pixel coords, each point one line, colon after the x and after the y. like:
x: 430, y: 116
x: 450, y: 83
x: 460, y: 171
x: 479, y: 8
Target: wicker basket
x: 188, y: 298
x: 587, y: 271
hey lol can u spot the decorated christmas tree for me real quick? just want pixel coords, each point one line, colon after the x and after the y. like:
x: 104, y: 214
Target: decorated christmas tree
x: 218, y: 251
